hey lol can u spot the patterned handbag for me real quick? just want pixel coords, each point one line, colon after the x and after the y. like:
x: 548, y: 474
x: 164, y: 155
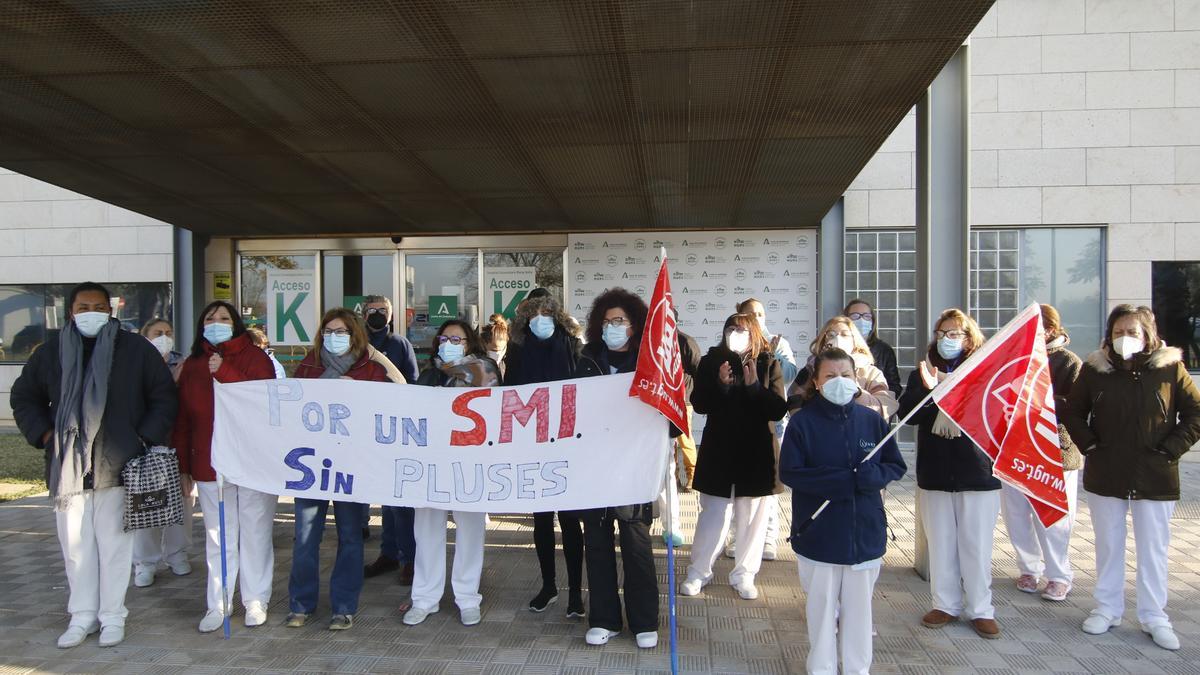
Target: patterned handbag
x: 153, y: 496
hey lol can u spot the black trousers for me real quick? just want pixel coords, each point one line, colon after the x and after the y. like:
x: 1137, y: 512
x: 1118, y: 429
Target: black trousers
x: 572, y: 544
x: 637, y: 559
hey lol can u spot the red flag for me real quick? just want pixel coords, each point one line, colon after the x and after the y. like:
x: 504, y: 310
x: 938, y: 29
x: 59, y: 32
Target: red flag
x: 1003, y: 400
x: 658, y: 380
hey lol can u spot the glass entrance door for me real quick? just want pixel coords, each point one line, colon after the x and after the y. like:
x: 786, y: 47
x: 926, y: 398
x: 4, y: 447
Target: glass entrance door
x: 437, y: 287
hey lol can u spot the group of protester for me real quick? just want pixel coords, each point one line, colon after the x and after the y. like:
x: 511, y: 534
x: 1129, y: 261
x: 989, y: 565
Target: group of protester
x: 93, y: 397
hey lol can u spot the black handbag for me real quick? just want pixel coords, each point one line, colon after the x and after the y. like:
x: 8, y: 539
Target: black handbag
x: 153, y: 495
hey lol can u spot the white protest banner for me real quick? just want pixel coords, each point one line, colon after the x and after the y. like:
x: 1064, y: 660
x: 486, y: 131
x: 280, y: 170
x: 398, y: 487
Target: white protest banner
x: 565, y: 445
x: 291, y: 307
x: 505, y: 287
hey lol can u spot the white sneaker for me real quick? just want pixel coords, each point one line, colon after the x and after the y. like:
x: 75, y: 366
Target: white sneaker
x: 731, y: 550
x: 256, y: 613
x: 76, y: 634
x: 181, y: 568
x: 746, y: 589
x: 1164, y: 636
x: 1098, y: 624
x: 647, y: 640
x: 769, y: 551
x: 599, y: 636
x: 213, y: 620
x: 470, y: 616
x: 143, y: 576
x: 692, y: 586
x: 111, y: 636
x: 417, y: 615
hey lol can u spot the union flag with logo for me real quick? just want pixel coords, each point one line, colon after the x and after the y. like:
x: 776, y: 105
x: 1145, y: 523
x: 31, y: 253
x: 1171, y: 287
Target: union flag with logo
x: 1003, y: 400
x: 658, y: 380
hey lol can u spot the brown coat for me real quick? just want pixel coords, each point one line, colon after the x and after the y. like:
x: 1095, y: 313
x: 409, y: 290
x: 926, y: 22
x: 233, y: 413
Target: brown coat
x: 1133, y: 422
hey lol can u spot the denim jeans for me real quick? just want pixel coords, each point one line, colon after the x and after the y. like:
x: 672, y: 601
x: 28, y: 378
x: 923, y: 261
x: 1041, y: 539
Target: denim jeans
x: 398, y: 540
x: 346, y: 580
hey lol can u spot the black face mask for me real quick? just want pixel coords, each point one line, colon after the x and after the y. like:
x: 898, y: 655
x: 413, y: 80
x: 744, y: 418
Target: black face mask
x: 377, y: 322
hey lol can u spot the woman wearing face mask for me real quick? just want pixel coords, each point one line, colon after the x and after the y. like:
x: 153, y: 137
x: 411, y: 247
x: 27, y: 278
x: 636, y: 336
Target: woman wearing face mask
x: 841, y: 333
x: 458, y: 361
x: 1133, y: 412
x: 779, y: 344
x: 614, y: 331
x: 223, y: 352
x: 840, y: 554
x: 543, y: 349
x: 1042, y: 549
x: 495, y: 339
x: 863, y: 315
x: 340, y: 350
x: 739, y: 385
x: 167, y: 546
x: 960, y: 498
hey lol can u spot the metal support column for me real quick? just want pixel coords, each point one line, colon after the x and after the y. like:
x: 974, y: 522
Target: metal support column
x: 943, y: 212
x: 188, y: 287
x: 831, y: 281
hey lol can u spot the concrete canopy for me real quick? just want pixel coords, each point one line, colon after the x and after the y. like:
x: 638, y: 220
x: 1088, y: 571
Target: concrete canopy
x: 308, y: 117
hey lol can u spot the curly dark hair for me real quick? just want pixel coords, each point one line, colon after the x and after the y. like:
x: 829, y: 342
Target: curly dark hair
x: 474, y: 346
x: 632, y: 305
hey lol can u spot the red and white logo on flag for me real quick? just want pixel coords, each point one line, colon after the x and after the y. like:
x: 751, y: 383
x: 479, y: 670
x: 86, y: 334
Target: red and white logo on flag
x: 658, y: 380
x: 1003, y: 399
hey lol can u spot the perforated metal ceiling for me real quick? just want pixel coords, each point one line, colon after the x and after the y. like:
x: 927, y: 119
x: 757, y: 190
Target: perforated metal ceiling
x: 298, y: 117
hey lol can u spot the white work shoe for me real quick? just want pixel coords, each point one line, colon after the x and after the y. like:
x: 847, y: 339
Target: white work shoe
x: 746, y: 589
x: 213, y: 620
x: 1098, y: 623
x: 599, y: 636
x: 417, y: 615
x: 76, y: 634
x: 692, y: 586
x: 111, y: 636
x: 470, y: 616
x: 1164, y: 636
x: 647, y: 640
x: 256, y: 613
x: 181, y: 568
x: 770, y: 552
x: 143, y: 576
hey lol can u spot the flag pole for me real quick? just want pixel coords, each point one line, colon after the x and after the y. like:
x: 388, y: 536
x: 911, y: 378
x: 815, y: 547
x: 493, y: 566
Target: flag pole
x: 671, y: 497
x: 224, y: 570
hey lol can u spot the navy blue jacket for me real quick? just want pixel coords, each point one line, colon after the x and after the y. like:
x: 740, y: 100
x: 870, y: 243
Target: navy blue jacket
x: 398, y: 350
x: 821, y: 459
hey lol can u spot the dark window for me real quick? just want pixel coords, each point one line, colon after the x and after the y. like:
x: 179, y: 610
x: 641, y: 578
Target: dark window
x: 1177, y: 307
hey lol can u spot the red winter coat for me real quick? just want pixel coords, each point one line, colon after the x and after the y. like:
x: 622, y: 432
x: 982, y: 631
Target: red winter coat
x: 363, y: 369
x: 241, y: 361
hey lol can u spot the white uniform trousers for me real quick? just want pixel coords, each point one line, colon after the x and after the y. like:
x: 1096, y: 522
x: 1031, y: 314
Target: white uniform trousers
x: 429, y: 570
x: 960, y: 527
x: 750, y: 523
x: 1041, y: 551
x: 668, y: 500
x: 249, y: 525
x: 97, y: 552
x: 1152, y: 536
x: 838, y: 606
x: 170, y: 544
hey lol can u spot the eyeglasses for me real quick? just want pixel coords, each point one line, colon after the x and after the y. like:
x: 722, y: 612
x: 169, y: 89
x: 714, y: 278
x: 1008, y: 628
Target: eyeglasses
x: 452, y: 339
x: 953, y: 335
x: 376, y: 310
x: 330, y: 333
x: 835, y: 334
x: 855, y: 316
x: 617, y: 321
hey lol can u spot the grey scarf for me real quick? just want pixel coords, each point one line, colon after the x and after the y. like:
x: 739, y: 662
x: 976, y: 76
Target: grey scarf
x: 82, y: 397
x: 336, y: 366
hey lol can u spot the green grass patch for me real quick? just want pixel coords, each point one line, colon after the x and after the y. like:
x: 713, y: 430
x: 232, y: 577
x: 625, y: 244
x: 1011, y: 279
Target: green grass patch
x: 20, y: 463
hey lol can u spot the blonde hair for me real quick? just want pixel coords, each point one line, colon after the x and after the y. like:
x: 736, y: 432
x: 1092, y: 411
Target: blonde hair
x: 823, y: 341
x: 973, y: 341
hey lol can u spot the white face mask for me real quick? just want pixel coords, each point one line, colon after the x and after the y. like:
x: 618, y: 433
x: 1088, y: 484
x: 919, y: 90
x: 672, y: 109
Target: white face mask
x: 496, y: 356
x: 844, y: 343
x: 1128, y: 346
x: 164, y: 344
x: 90, y: 323
x: 839, y: 390
x: 738, y: 341
x: 762, y: 324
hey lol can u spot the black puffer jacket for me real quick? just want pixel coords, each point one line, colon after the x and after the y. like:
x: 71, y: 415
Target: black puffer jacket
x: 739, y: 451
x: 885, y: 360
x: 944, y: 464
x: 139, y: 411
x: 1064, y: 370
x: 1133, y: 422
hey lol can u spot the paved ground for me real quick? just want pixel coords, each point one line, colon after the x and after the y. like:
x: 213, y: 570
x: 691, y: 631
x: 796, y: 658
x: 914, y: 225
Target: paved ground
x: 718, y: 631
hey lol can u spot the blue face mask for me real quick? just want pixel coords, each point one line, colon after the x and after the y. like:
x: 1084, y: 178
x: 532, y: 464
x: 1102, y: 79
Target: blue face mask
x: 864, y: 326
x: 337, y: 344
x: 949, y: 348
x: 542, y: 326
x: 839, y: 390
x: 89, y: 324
x: 450, y: 353
x: 216, y: 333
x: 615, y: 337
